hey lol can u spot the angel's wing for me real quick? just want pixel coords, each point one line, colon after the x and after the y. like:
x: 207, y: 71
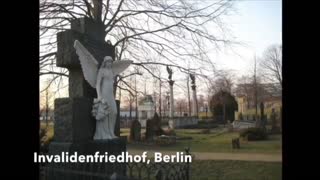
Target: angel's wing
x: 119, y: 66
x: 88, y: 63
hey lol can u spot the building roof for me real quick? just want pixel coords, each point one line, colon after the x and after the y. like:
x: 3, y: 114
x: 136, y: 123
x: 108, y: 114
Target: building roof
x: 146, y: 99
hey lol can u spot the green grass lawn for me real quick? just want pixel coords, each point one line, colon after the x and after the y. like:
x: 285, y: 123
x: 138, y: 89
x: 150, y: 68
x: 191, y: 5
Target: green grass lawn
x: 235, y: 170
x: 215, y: 142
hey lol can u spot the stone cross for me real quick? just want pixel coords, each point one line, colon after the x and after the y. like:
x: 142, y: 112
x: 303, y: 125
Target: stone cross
x: 74, y: 125
x: 73, y: 119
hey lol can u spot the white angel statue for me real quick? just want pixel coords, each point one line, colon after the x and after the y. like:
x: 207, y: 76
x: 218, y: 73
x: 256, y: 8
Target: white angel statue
x: 102, y: 78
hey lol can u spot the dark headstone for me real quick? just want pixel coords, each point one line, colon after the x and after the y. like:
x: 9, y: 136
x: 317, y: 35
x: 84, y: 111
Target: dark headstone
x: 117, y: 125
x: 153, y: 127
x: 149, y: 129
x: 73, y: 120
x: 236, y: 143
x: 135, y: 131
x: 261, y: 109
x: 274, y: 126
x: 158, y: 131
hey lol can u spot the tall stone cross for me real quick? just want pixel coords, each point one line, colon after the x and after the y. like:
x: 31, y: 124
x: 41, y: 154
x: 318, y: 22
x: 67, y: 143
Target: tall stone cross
x: 73, y: 119
x: 74, y: 125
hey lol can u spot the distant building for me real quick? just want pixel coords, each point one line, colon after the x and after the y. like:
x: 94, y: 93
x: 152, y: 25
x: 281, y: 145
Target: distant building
x: 43, y: 115
x: 146, y: 109
x: 269, y: 94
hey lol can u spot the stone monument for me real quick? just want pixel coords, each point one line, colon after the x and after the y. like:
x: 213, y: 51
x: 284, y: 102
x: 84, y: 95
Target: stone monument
x: 149, y: 130
x: 171, y: 82
x: 101, y: 77
x: 273, y: 118
x: 135, y: 131
x: 75, y: 126
x: 195, y: 101
x: 154, y: 127
x: 263, y: 120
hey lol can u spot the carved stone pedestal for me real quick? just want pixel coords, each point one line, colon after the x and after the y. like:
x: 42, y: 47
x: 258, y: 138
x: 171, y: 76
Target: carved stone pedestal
x: 73, y: 120
x: 87, y: 170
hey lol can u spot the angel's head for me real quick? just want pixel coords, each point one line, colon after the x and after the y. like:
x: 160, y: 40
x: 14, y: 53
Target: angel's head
x: 107, y: 62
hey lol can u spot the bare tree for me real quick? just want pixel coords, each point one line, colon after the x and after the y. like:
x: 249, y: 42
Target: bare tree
x: 129, y: 104
x: 255, y: 86
x: 201, y: 101
x: 46, y: 102
x: 181, y: 106
x: 223, y: 81
x: 175, y: 31
x: 271, y: 64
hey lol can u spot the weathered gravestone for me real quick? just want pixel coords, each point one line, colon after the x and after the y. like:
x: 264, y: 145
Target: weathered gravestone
x: 153, y: 127
x: 135, y: 131
x: 230, y: 126
x: 235, y: 143
x: 158, y: 131
x: 263, y: 121
x: 149, y: 130
x: 274, y: 126
x: 74, y: 124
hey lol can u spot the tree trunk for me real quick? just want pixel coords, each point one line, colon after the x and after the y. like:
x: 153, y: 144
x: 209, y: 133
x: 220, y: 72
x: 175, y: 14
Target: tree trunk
x: 189, y: 103
x: 160, y: 113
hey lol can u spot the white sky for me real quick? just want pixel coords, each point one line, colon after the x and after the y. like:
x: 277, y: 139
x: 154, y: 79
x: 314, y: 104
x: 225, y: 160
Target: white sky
x: 258, y: 24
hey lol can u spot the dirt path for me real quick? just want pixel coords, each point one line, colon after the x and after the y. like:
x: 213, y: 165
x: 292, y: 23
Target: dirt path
x: 221, y: 156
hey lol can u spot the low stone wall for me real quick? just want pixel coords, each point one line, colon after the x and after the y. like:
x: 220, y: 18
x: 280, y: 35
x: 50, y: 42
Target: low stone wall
x: 182, y: 122
x: 238, y: 125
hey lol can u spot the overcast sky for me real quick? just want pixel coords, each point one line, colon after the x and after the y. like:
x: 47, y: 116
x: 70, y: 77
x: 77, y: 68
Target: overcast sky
x: 258, y: 24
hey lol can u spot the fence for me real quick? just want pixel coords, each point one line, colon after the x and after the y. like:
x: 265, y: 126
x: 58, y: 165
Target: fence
x: 119, y: 171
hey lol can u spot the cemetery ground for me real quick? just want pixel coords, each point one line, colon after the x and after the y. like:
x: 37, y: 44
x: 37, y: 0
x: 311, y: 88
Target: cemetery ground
x: 214, y: 141
x: 217, y: 141
x: 216, y: 159
x: 235, y: 170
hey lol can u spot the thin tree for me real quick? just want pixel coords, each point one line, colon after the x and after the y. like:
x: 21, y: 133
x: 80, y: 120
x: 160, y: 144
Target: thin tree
x: 271, y: 64
x: 255, y: 86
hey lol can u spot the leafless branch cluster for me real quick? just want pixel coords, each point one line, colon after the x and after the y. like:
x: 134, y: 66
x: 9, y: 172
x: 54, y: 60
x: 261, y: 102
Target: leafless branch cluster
x: 174, y: 32
x: 271, y: 64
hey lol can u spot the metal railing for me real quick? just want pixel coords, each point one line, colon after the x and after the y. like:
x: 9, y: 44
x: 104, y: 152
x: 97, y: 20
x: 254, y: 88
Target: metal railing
x: 116, y: 171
